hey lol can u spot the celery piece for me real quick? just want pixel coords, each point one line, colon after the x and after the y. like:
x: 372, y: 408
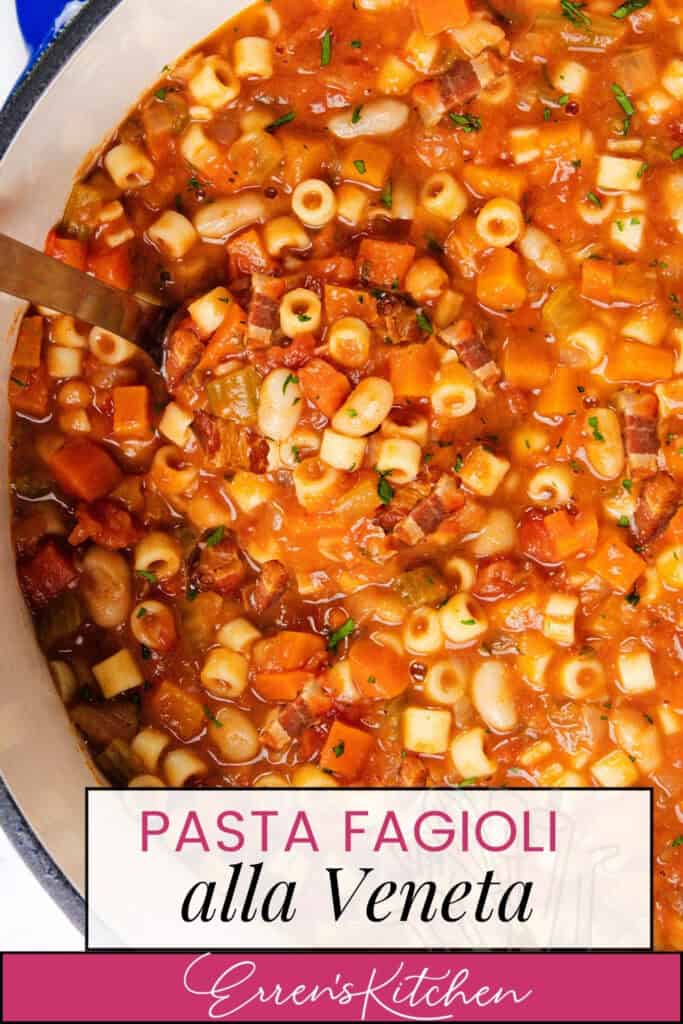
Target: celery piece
x: 60, y: 620
x: 235, y: 396
x: 422, y: 586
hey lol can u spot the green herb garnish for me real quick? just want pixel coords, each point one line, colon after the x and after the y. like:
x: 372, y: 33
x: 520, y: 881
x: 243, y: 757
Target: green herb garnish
x: 279, y: 121
x: 467, y: 122
x: 340, y: 634
x: 215, y: 537
x: 326, y: 48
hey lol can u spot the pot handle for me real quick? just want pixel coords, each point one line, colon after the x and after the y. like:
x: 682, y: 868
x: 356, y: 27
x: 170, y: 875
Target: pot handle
x: 40, y: 22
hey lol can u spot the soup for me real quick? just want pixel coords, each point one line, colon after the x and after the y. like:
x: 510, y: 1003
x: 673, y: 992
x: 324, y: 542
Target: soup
x: 399, y: 503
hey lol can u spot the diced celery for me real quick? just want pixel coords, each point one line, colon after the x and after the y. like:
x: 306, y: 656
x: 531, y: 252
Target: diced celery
x: 422, y: 586
x: 60, y: 620
x: 235, y: 396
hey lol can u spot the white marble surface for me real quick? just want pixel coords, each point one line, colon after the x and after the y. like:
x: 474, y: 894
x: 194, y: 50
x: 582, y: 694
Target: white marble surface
x: 29, y: 920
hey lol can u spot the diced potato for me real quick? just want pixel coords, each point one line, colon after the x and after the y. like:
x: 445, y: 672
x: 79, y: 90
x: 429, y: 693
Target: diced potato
x: 483, y: 471
x: 672, y: 78
x: 570, y: 77
x: 627, y: 231
x: 636, y: 672
x: 615, y: 769
x: 118, y: 673
x: 619, y: 174
x: 426, y: 731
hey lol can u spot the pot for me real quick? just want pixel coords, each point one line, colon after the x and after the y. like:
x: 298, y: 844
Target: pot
x: 83, y: 84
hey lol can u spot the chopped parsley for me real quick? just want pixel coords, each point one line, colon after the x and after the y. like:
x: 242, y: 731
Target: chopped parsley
x: 279, y: 121
x: 161, y: 94
x: 19, y: 383
x: 340, y: 634
x: 627, y: 485
x: 466, y: 782
x: 458, y: 463
x: 355, y: 116
x: 145, y: 652
x: 678, y: 841
x: 593, y: 424
x: 628, y: 8
x: 291, y: 378
x: 625, y: 104
x: 677, y: 153
x: 142, y: 611
x: 339, y: 749
x: 384, y: 489
x: 574, y: 12
x: 623, y: 521
x: 468, y: 622
x: 642, y: 169
x: 356, y: 44
x: 424, y: 323
x: 212, y: 718
x: 191, y: 594
x: 303, y: 318
x: 387, y: 197
x: 215, y: 537
x: 592, y: 198
x: 326, y: 48
x: 151, y: 577
x: 467, y: 122
x: 633, y: 598
x: 360, y: 166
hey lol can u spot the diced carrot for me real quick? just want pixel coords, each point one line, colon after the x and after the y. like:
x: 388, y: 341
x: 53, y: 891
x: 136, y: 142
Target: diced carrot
x: 526, y: 363
x: 674, y: 531
x: 560, y: 396
x: 597, y: 280
x: 84, y: 469
x: 346, y: 750
x: 247, y: 254
x: 178, y: 710
x: 632, y: 286
x: 29, y: 391
x: 341, y: 269
x: 560, y: 138
x: 67, y: 250
x: 572, y: 535
x: 377, y: 670
x: 324, y: 386
x: 493, y: 181
x: 340, y: 302
x: 384, y: 264
x: 306, y: 154
x: 131, y: 411
x: 412, y: 369
x: 279, y: 686
x: 617, y: 564
x: 288, y: 650
x: 367, y: 163
x: 500, y: 282
x: 632, y: 361
x: 29, y: 344
x: 436, y: 16
x: 113, y: 266
x: 227, y: 340
x: 534, y: 540
x: 359, y: 502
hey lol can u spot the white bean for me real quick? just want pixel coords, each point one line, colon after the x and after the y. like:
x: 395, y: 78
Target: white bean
x: 280, y: 405
x: 221, y: 219
x: 381, y: 117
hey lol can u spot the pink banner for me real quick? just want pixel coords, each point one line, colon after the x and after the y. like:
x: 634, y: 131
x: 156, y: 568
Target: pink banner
x: 348, y: 987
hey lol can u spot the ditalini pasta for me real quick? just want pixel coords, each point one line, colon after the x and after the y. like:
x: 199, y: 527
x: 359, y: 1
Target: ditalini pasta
x: 401, y: 505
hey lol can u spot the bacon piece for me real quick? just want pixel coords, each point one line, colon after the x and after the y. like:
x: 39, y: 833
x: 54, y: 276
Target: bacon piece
x: 399, y: 321
x: 264, y: 310
x: 445, y: 498
x: 657, y: 502
x: 271, y: 584
x: 183, y: 352
x: 640, y: 411
x: 229, y: 445
x: 463, y: 81
x: 289, y: 722
x: 413, y: 772
x: 45, y: 576
x: 389, y: 516
x: 292, y: 356
x: 500, y: 578
x: 472, y: 352
x: 106, y: 524
x: 221, y: 567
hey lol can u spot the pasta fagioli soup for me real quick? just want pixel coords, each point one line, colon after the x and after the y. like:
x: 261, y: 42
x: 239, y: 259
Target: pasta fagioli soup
x: 401, y: 503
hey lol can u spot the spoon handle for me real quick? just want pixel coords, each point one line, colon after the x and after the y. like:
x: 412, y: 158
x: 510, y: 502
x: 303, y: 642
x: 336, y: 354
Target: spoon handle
x: 29, y: 274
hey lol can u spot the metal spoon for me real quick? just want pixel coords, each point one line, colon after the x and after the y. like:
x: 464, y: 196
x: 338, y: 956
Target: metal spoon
x: 29, y: 274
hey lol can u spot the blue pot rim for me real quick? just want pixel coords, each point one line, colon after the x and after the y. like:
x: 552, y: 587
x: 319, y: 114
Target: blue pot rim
x: 15, y: 111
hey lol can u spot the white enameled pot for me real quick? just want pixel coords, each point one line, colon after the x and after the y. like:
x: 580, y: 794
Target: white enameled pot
x: 81, y: 87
